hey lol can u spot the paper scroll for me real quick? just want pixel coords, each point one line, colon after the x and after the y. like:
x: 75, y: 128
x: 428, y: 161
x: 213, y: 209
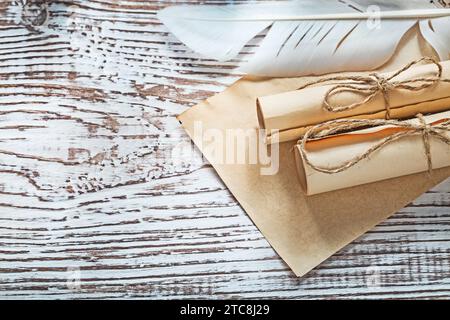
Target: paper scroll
x: 399, y: 158
x: 292, y: 113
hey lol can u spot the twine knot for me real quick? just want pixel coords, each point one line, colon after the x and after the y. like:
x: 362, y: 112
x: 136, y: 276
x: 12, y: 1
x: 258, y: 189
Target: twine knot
x: 374, y: 84
x: 439, y: 130
x: 382, y: 83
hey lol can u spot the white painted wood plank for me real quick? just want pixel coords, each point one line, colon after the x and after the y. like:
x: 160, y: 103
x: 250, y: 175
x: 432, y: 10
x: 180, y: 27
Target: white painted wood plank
x: 88, y: 189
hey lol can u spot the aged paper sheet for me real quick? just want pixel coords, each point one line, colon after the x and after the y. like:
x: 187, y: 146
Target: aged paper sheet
x: 303, y: 230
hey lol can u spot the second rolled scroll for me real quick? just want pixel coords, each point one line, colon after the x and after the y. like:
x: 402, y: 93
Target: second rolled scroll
x: 288, y: 115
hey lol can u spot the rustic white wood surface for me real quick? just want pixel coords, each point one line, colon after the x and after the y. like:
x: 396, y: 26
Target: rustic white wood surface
x: 92, y: 205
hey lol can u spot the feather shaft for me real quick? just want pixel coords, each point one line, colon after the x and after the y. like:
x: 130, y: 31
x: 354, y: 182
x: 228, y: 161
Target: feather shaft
x: 385, y: 15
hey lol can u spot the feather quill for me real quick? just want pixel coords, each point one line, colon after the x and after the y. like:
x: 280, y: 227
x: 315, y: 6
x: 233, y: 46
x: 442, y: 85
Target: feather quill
x: 307, y: 37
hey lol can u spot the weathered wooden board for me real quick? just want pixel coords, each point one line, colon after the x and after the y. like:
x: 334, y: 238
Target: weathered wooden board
x: 93, y: 203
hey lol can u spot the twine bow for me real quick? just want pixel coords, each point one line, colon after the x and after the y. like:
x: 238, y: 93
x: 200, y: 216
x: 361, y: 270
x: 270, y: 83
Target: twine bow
x: 373, y: 84
x: 427, y: 131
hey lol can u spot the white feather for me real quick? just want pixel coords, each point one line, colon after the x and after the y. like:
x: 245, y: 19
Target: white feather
x: 308, y: 36
x: 437, y: 33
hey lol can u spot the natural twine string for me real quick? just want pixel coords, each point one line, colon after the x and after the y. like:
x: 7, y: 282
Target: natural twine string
x: 427, y: 131
x: 373, y: 84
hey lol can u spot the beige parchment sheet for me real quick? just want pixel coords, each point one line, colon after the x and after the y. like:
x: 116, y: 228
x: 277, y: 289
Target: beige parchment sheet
x: 303, y: 230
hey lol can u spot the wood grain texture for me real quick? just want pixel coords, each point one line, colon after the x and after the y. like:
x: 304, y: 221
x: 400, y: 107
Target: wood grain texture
x: 90, y: 189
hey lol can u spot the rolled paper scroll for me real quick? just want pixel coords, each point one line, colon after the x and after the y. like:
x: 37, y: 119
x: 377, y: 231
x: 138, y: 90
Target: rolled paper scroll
x: 327, y: 161
x: 417, y: 88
